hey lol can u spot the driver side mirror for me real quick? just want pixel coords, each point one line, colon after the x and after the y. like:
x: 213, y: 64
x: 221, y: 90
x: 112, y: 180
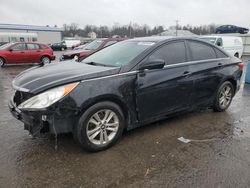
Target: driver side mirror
x: 10, y: 49
x: 152, y: 64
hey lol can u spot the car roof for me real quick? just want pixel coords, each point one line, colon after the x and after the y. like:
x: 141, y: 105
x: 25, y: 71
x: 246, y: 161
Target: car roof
x: 28, y: 43
x: 157, y: 39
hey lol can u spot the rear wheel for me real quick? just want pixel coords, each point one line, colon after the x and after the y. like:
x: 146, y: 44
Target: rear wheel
x: 45, y: 60
x: 100, y: 126
x: 2, y: 62
x: 223, y: 97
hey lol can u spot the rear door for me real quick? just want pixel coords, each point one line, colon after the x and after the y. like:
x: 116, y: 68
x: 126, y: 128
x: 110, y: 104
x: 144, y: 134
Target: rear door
x: 166, y: 90
x: 205, y: 68
x: 17, y: 53
x: 33, y: 53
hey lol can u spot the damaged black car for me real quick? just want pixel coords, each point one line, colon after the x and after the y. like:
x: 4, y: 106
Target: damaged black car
x: 124, y: 86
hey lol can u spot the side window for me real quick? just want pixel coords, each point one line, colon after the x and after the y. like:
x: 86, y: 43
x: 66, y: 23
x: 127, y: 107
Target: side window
x: 110, y: 43
x: 33, y: 47
x: 200, y: 51
x: 220, y: 54
x: 18, y: 47
x: 42, y: 46
x: 172, y: 53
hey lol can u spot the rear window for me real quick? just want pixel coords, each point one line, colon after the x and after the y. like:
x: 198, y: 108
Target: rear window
x: 220, y: 54
x: 33, y: 47
x: 200, y: 51
x: 43, y: 46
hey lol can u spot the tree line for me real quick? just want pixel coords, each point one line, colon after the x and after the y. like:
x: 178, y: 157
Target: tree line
x: 130, y: 30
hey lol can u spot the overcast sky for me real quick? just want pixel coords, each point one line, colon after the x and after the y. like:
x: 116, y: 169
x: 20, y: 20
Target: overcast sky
x: 108, y: 12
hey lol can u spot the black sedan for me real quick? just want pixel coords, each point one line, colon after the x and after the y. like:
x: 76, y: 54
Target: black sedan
x: 124, y: 86
x: 59, y: 46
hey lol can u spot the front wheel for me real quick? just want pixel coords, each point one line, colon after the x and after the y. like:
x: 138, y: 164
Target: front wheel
x: 223, y: 97
x: 100, y: 126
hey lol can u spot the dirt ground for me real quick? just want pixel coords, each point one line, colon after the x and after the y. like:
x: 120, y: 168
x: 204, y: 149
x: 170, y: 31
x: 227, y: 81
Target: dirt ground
x: 151, y: 156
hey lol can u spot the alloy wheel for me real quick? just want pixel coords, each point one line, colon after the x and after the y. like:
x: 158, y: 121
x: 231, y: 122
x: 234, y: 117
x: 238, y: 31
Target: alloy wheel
x: 102, y: 127
x: 225, y: 96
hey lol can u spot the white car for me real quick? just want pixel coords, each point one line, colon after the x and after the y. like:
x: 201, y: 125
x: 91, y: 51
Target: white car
x: 232, y: 45
x: 70, y: 42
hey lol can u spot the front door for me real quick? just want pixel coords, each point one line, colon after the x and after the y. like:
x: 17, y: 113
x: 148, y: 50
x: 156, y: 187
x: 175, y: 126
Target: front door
x: 167, y: 90
x: 17, y: 53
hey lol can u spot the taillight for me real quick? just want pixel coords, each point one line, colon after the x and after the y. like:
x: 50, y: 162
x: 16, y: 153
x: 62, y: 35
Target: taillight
x: 241, y: 65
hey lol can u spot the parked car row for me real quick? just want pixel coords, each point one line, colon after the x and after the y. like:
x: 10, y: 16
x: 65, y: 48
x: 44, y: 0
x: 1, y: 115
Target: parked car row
x: 31, y: 52
x: 124, y: 86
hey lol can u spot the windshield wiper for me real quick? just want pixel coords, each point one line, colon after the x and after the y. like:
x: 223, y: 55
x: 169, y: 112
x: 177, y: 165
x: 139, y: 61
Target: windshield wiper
x: 99, y: 64
x: 96, y: 64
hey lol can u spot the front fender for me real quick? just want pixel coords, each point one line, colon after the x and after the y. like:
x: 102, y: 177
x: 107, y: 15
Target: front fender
x: 119, y: 89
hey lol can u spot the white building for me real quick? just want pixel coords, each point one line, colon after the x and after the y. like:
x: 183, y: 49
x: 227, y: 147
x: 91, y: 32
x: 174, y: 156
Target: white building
x: 16, y: 32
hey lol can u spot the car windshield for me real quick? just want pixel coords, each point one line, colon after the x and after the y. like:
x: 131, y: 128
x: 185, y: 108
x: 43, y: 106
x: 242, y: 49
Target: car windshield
x: 94, y: 45
x: 6, y: 46
x: 209, y: 39
x: 80, y: 47
x: 118, y: 54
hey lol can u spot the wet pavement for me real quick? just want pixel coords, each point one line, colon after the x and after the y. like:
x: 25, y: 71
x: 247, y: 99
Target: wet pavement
x: 217, y: 156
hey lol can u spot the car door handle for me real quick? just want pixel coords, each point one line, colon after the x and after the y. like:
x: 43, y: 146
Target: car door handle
x: 22, y: 52
x: 220, y: 64
x: 38, y: 51
x: 186, y: 73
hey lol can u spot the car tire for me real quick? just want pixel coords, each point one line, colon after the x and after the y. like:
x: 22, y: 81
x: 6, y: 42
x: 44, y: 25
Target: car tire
x: 45, y: 60
x: 100, y: 127
x: 224, y: 96
x: 2, y: 62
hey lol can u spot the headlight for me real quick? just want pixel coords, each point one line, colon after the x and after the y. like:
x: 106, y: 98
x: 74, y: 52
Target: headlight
x: 48, y: 97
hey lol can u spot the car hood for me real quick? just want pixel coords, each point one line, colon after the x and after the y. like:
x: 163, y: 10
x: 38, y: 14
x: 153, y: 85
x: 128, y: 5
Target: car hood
x: 80, y: 51
x: 38, y: 79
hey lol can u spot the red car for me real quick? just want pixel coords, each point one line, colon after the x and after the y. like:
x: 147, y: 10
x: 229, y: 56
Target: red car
x: 25, y: 52
x: 90, y: 48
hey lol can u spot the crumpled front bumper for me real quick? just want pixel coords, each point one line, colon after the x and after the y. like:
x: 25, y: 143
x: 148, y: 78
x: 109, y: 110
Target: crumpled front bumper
x: 36, y: 122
